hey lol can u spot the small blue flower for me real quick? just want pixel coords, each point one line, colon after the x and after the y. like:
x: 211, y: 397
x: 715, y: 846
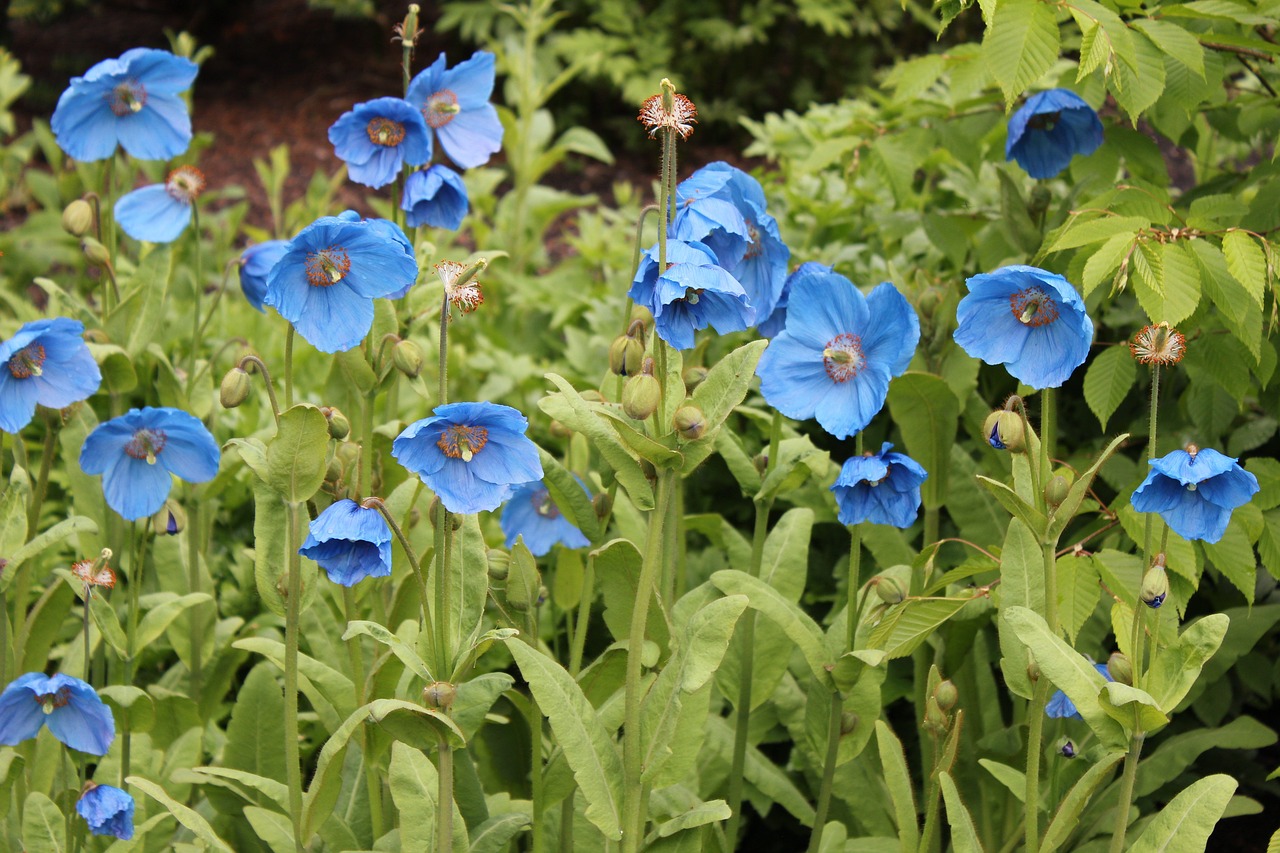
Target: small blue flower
x: 108, y: 810
x: 255, y: 265
x: 1031, y: 321
x: 161, y: 212
x: 132, y: 100
x: 70, y: 707
x: 883, y: 488
x: 375, y: 139
x: 772, y: 326
x: 838, y: 352
x: 455, y: 103
x: 692, y: 294
x: 1059, y: 706
x: 136, y: 453
x: 330, y: 274
x: 45, y: 362
x: 530, y: 512
x: 435, y: 197
x: 470, y: 454
x: 1195, y: 492
x: 1050, y: 129
x: 350, y: 542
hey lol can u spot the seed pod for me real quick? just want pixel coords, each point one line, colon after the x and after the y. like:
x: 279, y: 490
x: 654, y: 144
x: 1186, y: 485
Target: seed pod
x: 690, y: 423
x: 77, y: 218
x: 407, y: 357
x: 1155, y: 586
x: 235, y: 389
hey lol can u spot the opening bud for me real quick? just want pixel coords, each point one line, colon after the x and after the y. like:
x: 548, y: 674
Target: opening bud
x: 693, y: 376
x: 1067, y: 749
x: 1120, y: 669
x: 407, y: 357
x: 499, y: 563
x: 77, y: 218
x: 641, y: 395
x: 339, y: 425
x: 95, y: 252
x: 1055, y: 492
x: 1003, y: 430
x: 690, y: 423
x: 889, y: 589
x: 235, y: 389
x: 946, y: 694
x: 625, y: 355
x: 1155, y: 584
x: 439, y: 695
x: 170, y: 520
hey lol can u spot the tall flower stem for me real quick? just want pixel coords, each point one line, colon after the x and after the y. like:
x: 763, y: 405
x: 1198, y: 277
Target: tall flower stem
x: 1035, y: 734
x: 1152, y: 423
x: 855, y: 567
x: 443, y: 622
x: 373, y: 785
x: 196, y: 624
x: 51, y: 427
x: 293, y: 610
x: 444, y: 799
x: 414, y: 563
x: 828, y: 768
x: 138, y: 540
x: 1048, y: 431
x: 288, y: 367
x: 252, y: 362
x: 1127, y: 780
x: 197, y: 288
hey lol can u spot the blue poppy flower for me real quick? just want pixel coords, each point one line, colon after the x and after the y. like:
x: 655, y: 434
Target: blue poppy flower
x: 45, y: 362
x: 136, y: 452
x: 108, y: 810
x: 771, y: 326
x: 470, y: 454
x: 883, y: 488
x: 838, y: 352
x: 350, y: 543
x: 455, y: 103
x: 1050, y: 129
x: 530, y: 512
x: 330, y: 274
x: 132, y: 100
x: 1195, y: 491
x: 435, y: 197
x: 255, y: 264
x: 1059, y: 706
x: 375, y: 139
x: 693, y: 293
x: 1031, y: 321
x: 161, y: 212
x: 70, y: 707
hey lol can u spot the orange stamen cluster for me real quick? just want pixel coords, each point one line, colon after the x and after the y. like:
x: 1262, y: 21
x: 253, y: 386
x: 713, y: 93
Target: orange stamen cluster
x: 680, y: 119
x: 1158, y: 344
x: 462, y: 442
x: 384, y: 131
x: 843, y: 357
x: 185, y: 183
x: 146, y: 444
x: 327, y: 266
x: 1033, y: 307
x: 127, y: 98
x: 756, y: 248
x: 27, y: 362
x: 441, y: 108
x: 466, y: 297
x: 83, y: 571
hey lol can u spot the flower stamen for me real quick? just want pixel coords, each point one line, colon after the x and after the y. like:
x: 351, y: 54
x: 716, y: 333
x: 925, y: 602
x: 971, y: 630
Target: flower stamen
x: 185, y: 183
x: 1033, y: 307
x: 843, y: 357
x: 755, y: 248
x: 327, y: 266
x: 681, y: 117
x: 50, y: 702
x: 127, y: 98
x: 1158, y: 344
x: 27, y: 362
x: 146, y: 444
x: 543, y: 505
x: 384, y: 131
x: 441, y: 108
x: 466, y: 297
x: 463, y: 442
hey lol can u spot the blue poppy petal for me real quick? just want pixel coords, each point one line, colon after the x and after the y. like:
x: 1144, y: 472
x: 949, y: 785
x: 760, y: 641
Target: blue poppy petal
x: 108, y: 811
x: 84, y: 125
x: 851, y: 405
x: 135, y: 489
x: 21, y: 716
x: 471, y: 80
x: 161, y: 131
x: 892, y: 338
x: 84, y: 723
x: 17, y: 402
x: 472, y: 136
x: 151, y: 214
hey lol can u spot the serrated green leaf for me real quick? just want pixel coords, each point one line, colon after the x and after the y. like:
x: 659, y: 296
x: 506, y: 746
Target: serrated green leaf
x: 927, y: 413
x: 907, y: 625
x: 1174, y: 40
x: 1103, y: 263
x: 1108, y: 380
x: 1096, y: 231
x: 1138, y: 84
x: 1246, y: 263
x: 1021, y: 44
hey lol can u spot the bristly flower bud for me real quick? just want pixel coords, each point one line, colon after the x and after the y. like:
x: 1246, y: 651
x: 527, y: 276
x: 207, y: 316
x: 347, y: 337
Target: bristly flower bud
x: 95, y: 252
x: 1055, y: 492
x: 407, y: 357
x: 1155, y: 584
x: 946, y: 694
x: 936, y: 720
x: 1003, y: 431
x: 339, y: 425
x: 235, y: 389
x: 642, y: 393
x: 625, y: 355
x: 889, y: 589
x: 439, y: 695
x: 1119, y: 668
x: 171, y: 519
x: 694, y: 376
x: 499, y: 562
x: 77, y: 218
x: 690, y: 423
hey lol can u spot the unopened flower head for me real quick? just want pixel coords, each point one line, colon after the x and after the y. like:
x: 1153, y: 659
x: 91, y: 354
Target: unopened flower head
x: 678, y: 113
x: 1159, y: 344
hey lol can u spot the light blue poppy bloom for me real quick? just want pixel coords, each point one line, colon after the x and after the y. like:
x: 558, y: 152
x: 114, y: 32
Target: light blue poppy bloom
x: 834, y: 359
x: 350, y: 543
x: 108, y: 810
x: 470, y: 454
x: 455, y: 103
x: 1030, y: 320
x: 255, y: 265
x: 530, y: 512
x: 1195, y: 492
x: 1050, y: 129
x: 375, y: 139
x: 436, y: 197
x: 883, y: 488
x: 773, y: 325
x: 330, y: 274
x: 137, y: 452
x: 132, y: 101
x: 693, y: 293
x: 46, y: 362
x: 68, y: 706
x: 161, y: 212
x: 1060, y: 707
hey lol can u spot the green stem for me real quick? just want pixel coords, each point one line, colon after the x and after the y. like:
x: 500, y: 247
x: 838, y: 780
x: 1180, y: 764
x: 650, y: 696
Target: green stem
x: 139, y: 547
x: 1048, y: 431
x: 288, y: 367
x: 252, y: 361
x: 293, y: 610
x: 416, y: 564
x: 828, y: 772
x: 1126, y: 792
x: 537, y: 777
x: 1035, y: 734
x: 193, y: 582
x: 51, y: 425
x: 444, y: 798
x: 373, y: 784
x: 932, y: 796
x: 364, y: 478
x: 197, y: 287
x: 443, y: 392
x: 441, y: 615
x: 1050, y: 586
x: 1151, y: 454
x: 584, y: 616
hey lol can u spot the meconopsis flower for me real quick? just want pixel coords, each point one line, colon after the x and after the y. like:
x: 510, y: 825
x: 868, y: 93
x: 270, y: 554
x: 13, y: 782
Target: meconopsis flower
x: 1031, y: 321
x: 1060, y: 705
x: 531, y: 513
x: 834, y: 359
x: 161, y: 212
x: 692, y: 293
x: 470, y: 454
x: 375, y: 139
x: 68, y: 706
x: 777, y: 321
x: 46, y: 362
x: 330, y: 273
x: 137, y: 452
x: 1050, y: 129
x: 350, y: 542
x: 132, y: 100
x: 1194, y: 491
x: 436, y: 197
x: 107, y: 809
x: 255, y: 263
x: 455, y: 104
x: 883, y: 488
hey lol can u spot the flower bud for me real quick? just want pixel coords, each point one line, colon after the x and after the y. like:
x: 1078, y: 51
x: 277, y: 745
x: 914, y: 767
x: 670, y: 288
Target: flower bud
x: 1067, y: 749
x: 543, y: 594
x: 693, y: 376
x: 559, y: 430
x: 935, y: 719
x: 1119, y: 668
x: 848, y: 722
x: 690, y: 423
x: 77, y: 218
x: 407, y: 357
x: 95, y: 252
x: 625, y: 355
x: 946, y: 694
x: 1033, y: 670
x: 602, y: 504
x: 235, y: 389
x: 339, y: 425
x: 1155, y: 586
x: 334, y: 472
x: 171, y: 519
x: 641, y: 396
x: 641, y: 315
x: 499, y: 563
x: 889, y: 589
x: 1003, y: 430
x: 348, y: 452
x: 1055, y: 492
x: 439, y: 695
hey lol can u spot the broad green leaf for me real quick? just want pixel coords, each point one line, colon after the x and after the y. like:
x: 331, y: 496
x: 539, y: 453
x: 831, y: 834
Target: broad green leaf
x: 1232, y: 555
x: 275, y: 791
x: 1020, y: 44
x: 1174, y: 40
x: 1103, y: 263
x: 1077, y: 592
x: 1176, y: 753
x: 67, y: 527
x: 326, y: 782
x: 496, y: 833
x: 132, y: 704
x: 964, y: 838
x: 1246, y: 263
x: 907, y: 625
x: 1176, y: 669
x: 700, y: 815
x: 475, y: 698
x: 1065, y: 820
x: 1108, y: 380
x: 398, y: 647
x: 43, y: 825
x: 1183, y: 826
x: 296, y: 457
x: 153, y: 277
x: 1181, y: 283
x: 618, y: 574
x: 787, y: 615
x: 1021, y: 568
x: 927, y: 413
x: 1015, y: 781
x: 1062, y: 516
x: 797, y: 458
x: 159, y: 617
x: 271, y: 827
x: 412, y: 724
x: 185, y: 815
x: 774, y: 785
x: 415, y: 788
x: 1103, y: 229
x: 320, y: 682
x: 727, y: 382
x: 1132, y: 708
x: 570, y: 497
x: 1138, y: 85
x: 784, y: 565
x: 901, y: 790
x: 1017, y: 506
x: 643, y: 446
x: 255, y: 735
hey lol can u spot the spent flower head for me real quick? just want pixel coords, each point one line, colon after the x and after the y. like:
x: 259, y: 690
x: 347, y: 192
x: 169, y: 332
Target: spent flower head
x: 669, y: 110
x: 460, y: 284
x: 1159, y: 344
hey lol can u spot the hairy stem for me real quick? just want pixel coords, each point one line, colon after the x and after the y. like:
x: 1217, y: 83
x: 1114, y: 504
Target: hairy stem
x: 828, y: 772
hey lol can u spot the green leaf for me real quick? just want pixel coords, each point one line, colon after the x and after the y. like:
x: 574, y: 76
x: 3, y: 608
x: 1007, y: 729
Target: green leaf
x: 901, y: 791
x: 255, y: 735
x: 73, y: 526
x: 1139, y: 84
x: 1066, y: 820
x: 275, y: 791
x: 927, y: 413
x: 570, y: 498
x: 272, y: 827
x: 496, y: 833
x: 618, y: 574
x: 43, y: 825
x: 587, y: 746
x: 1066, y: 511
x: 700, y: 815
x: 1017, y: 506
x: 1077, y: 592
x: 1232, y: 555
x: 415, y: 788
x: 159, y: 617
x: 797, y: 458
x: 153, y: 277
x: 326, y: 782
x: 1132, y: 708
x: 1076, y: 233
x: 907, y: 625
x: 1021, y: 569
x: 964, y: 838
x: 727, y: 383
x: 296, y: 460
x: 398, y: 647
x: 1103, y: 262
x: 1181, y: 283
x: 1014, y: 780
x: 186, y: 816
x: 1246, y: 263
x: 1176, y: 41
x: 787, y: 615
x: 1021, y: 44
x: 1183, y: 826
x: 1108, y: 380
x: 1176, y: 668
x: 319, y: 681
x: 413, y: 725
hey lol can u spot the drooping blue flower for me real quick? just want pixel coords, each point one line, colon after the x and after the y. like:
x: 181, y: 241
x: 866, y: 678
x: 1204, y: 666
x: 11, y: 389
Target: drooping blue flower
x: 455, y: 103
x: 834, y: 359
x: 137, y: 452
x: 777, y: 321
x: 883, y: 488
x: 470, y: 454
x: 1050, y: 129
x: 693, y: 293
x: 45, y: 362
x: 1030, y: 320
x: 530, y: 512
x: 330, y: 274
x: 255, y: 264
x: 350, y: 542
x: 435, y: 197
x: 1195, y: 491
x: 161, y: 212
x: 375, y: 139
x: 132, y: 100
x: 108, y: 810
x: 1060, y: 706
x: 70, y: 707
